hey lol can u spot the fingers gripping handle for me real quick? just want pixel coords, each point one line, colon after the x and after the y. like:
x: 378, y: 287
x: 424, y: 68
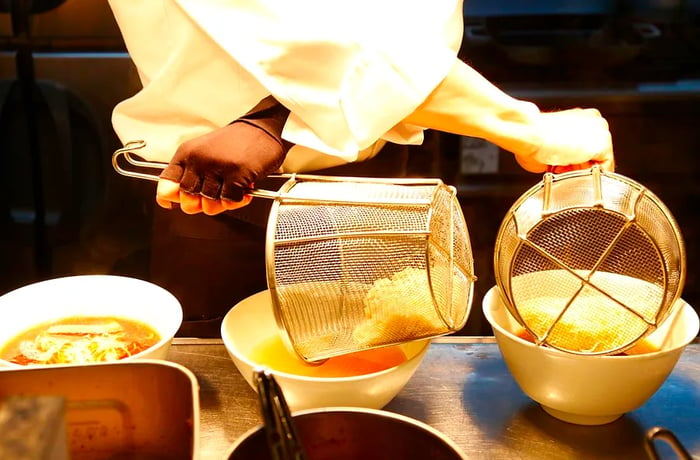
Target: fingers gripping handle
x: 127, y: 152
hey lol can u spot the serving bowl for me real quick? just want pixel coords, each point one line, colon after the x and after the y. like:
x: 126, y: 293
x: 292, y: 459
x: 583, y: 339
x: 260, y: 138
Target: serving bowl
x: 590, y: 389
x: 53, y: 300
x: 250, y: 326
x: 344, y: 433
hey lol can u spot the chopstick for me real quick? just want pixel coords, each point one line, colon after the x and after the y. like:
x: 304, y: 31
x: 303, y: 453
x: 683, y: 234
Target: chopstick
x: 280, y: 430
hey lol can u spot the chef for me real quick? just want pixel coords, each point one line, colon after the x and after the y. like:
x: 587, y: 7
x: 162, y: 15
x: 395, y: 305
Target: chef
x: 234, y: 90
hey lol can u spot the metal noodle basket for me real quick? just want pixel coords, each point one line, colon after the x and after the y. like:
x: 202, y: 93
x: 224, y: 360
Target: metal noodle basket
x: 589, y: 262
x: 358, y: 263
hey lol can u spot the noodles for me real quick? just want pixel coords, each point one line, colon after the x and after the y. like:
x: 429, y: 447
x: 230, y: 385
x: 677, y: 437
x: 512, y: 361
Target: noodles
x: 398, y: 308
x: 80, y: 340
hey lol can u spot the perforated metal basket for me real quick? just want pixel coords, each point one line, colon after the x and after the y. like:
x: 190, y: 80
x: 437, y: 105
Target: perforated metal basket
x: 589, y: 262
x: 358, y: 263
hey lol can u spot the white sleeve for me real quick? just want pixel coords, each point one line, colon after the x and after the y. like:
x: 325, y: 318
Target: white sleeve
x: 348, y: 71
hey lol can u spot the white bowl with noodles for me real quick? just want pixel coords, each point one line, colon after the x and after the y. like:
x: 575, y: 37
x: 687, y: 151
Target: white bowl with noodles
x: 86, y: 319
x: 370, y: 379
x: 590, y: 389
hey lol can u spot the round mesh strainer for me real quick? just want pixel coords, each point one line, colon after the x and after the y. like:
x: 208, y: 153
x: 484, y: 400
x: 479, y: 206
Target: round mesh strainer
x: 589, y: 262
x: 361, y: 263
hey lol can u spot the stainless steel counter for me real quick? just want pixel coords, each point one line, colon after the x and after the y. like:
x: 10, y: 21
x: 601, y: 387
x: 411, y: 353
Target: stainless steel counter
x: 464, y: 389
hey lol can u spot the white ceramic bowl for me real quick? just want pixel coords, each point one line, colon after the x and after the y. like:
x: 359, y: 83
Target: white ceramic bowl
x: 589, y: 390
x: 252, y: 321
x: 92, y: 295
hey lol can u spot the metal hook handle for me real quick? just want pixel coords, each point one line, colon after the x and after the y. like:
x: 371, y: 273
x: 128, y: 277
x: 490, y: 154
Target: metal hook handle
x: 127, y: 153
x: 667, y: 436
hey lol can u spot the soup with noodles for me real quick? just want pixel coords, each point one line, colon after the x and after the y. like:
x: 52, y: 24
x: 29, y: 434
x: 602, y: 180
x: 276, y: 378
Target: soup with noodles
x: 642, y: 347
x: 80, y: 340
x: 273, y: 353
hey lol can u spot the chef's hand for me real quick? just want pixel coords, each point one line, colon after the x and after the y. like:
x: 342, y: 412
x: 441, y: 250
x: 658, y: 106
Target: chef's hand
x: 212, y: 173
x: 570, y: 139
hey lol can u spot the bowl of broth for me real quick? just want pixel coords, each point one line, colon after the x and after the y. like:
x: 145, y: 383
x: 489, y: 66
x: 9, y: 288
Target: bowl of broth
x: 369, y: 378
x: 590, y: 389
x: 87, y: 319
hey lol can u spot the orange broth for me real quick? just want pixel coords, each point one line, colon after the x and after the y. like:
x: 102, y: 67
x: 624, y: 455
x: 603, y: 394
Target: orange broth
x: 273, y: 354
x: 80, y: 340
x: 640, y: 348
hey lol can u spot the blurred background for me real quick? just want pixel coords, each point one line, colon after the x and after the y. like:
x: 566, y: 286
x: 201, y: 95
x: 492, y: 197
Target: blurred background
x: 63, y: 67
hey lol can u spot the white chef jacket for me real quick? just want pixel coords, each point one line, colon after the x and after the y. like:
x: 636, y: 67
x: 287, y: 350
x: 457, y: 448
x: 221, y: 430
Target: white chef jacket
x: 349, y: 71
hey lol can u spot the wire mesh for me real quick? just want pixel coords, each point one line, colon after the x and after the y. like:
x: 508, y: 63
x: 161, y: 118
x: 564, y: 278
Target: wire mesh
x: 355, y: 264
x: 589, y: 262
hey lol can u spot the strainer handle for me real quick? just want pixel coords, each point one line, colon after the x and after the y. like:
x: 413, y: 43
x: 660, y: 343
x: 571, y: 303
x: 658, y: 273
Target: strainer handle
x: 127, y: 153
x: 559, y: 169
x: 666, y: 435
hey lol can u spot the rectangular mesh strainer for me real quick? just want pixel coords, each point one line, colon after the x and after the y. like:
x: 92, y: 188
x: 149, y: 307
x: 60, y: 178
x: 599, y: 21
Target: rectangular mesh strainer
x: 589, y: 262
x: 360, y: 263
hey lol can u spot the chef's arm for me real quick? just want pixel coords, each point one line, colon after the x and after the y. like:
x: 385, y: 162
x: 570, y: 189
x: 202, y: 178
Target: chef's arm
x: 467, y: 104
